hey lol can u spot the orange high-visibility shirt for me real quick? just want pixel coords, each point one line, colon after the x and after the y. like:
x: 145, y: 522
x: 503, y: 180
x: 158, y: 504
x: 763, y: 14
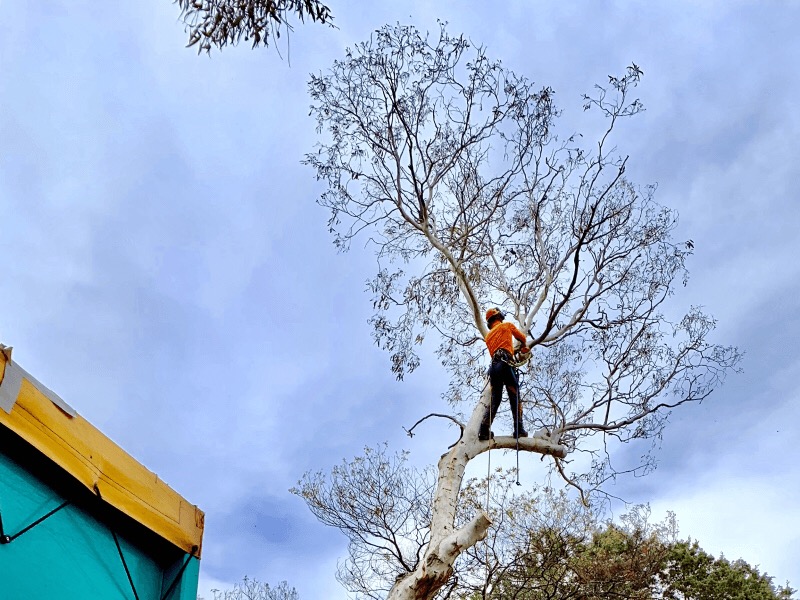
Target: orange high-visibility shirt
x: 500, y: 336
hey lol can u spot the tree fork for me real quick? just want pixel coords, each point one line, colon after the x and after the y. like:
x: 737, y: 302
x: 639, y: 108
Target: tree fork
x: 447, y: 543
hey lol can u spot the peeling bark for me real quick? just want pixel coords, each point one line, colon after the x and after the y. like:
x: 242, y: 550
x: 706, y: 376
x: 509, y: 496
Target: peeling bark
x: 437, y: 567
x: 447, y: 542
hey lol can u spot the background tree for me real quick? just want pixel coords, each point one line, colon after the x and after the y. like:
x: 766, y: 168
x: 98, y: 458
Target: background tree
x: 693, y: 574
x: 455, y: 169
x: 552, y: 546
x: 217, y: 23
x: 632, y: 559
x: 543, y: 543
x: 528, y: 544
x: 252, y: 589
x: 383, y: 505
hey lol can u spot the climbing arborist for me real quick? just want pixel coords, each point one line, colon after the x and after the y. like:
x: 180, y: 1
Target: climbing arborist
x: 500, y: 341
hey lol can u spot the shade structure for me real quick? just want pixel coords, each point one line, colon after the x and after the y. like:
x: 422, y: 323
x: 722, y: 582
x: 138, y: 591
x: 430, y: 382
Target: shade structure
x: 79, y: 517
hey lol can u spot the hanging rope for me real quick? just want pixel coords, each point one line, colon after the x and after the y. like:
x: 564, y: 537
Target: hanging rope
x: 488, y: 477
x: 520, y: 379
x: 488, y: 480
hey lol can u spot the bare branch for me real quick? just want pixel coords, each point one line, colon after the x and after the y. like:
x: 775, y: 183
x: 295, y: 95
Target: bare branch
x: 410, y: 432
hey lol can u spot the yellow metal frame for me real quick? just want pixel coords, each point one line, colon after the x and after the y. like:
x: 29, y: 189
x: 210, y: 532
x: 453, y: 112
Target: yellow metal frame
x: 98, y: 463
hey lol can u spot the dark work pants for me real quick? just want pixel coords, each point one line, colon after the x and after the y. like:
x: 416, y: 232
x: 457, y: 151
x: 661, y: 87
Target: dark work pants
x: 501, y: 374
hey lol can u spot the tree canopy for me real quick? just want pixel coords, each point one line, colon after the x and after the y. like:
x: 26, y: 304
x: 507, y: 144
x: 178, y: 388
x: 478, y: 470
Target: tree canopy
x: 218, y: 23
x: 631, y: 559
x: 693, y: 574
x: 459, y: 174
x: 454, y: 169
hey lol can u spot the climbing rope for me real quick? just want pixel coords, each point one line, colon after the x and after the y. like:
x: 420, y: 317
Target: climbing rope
x: 519, y: 408
x: 488, y: 479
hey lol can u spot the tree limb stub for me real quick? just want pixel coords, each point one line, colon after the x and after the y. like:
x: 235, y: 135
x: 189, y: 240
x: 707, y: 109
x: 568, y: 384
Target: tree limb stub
x: 437, y: 566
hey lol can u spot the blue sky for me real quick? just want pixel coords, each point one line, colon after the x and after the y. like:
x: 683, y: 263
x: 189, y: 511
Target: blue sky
x: 165, y: 263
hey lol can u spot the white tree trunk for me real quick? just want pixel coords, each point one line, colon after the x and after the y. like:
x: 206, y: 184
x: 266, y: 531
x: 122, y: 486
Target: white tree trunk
x: 447, y: 542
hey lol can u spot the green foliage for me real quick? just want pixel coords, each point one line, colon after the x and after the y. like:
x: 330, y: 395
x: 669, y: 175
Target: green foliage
x: 222, y: 22
x: 614, y: 562
x: 544, y: 545
x: 624, y: 563
x: 693, y: 574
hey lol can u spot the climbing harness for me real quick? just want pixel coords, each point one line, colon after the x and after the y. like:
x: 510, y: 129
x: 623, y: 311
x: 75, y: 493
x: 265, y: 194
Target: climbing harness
x: 519, y: 408
x: 516, y: 360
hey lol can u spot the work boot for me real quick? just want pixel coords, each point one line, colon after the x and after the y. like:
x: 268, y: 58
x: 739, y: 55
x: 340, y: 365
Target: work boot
x: 520, y: 432
x: 485, y: 435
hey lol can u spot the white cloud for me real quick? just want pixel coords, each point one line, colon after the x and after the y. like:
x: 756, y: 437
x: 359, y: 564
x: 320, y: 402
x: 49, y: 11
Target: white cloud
x: 744, y: 516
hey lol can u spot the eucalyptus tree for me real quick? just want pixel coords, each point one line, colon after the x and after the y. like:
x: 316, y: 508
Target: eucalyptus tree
x: 458, y: 173
x: 218, y: 23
